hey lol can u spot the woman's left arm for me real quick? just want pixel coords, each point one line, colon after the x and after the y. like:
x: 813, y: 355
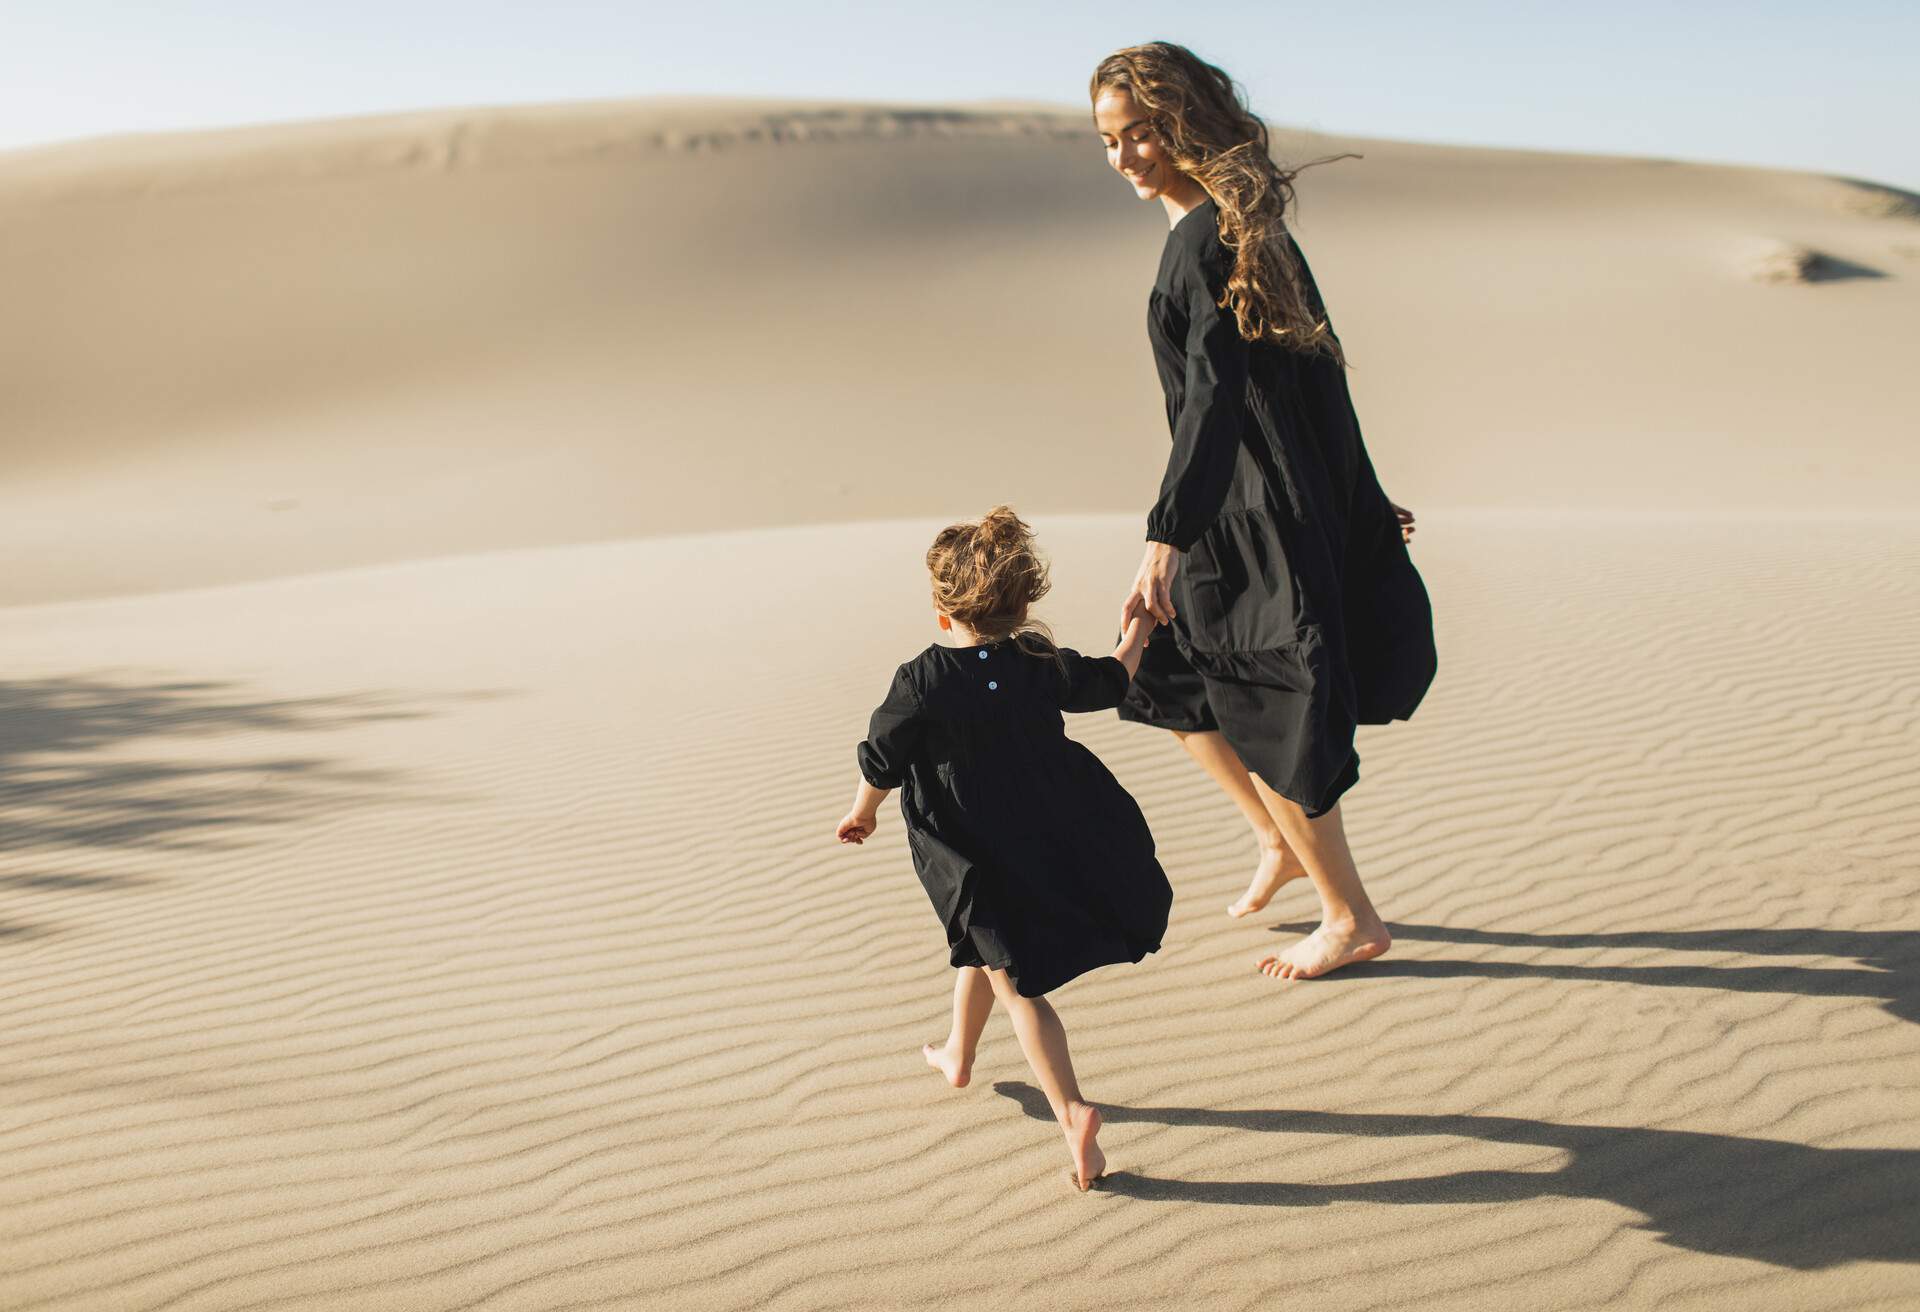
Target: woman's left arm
x: 1317, y: 307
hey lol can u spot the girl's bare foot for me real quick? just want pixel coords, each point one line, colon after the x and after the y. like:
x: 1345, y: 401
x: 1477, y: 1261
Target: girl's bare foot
x: 1278, y: 865
x: 942, y: 1059
x: 1333, y: 945
x: 1082, y: 1127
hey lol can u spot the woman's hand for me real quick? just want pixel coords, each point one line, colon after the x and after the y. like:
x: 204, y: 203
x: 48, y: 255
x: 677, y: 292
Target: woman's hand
x: 1405, y: 517
x: 1152, y: 592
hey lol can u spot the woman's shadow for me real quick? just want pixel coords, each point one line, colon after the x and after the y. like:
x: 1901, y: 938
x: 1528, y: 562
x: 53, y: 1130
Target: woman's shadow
x: 1889, y: 973
x: 1781, y: 1203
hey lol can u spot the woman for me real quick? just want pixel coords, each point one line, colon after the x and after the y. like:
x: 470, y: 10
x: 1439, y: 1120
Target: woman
x: 1272, y: 553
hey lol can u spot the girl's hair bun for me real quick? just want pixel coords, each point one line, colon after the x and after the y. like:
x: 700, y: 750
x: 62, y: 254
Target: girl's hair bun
x: 1002, y: 520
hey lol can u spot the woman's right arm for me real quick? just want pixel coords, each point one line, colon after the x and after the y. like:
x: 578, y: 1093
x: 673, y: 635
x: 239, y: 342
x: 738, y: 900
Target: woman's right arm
x: 1206, y: 446
x: 1206, y: 434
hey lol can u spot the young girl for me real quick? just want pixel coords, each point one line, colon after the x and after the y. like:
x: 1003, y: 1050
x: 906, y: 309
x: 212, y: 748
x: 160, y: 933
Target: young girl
x: 1038, y: 862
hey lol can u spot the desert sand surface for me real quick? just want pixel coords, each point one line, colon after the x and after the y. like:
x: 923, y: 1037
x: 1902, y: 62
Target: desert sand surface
x: 452, y: 557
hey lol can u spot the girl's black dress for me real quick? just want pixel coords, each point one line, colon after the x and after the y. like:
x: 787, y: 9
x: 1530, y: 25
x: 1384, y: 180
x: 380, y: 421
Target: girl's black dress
x: 1036, y: 859
x: 1298, y: 613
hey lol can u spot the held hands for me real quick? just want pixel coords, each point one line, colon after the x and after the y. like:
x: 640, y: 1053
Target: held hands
x: 857, y: 827
x: 1152, y: 592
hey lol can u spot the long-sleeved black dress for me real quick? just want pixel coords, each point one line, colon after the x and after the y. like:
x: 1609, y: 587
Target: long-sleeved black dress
x: 1298, y: 613
x: 1035, y: 858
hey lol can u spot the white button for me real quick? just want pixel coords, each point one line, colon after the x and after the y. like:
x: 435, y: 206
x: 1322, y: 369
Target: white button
x: 983, y: 654
x: 991, y: 685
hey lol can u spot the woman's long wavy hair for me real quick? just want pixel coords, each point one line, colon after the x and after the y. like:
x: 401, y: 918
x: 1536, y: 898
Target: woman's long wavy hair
x: 1201, y: 116
x: 987, y: 574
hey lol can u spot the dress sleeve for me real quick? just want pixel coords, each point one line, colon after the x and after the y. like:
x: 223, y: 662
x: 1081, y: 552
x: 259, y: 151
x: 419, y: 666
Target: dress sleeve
x: 1206, y: 434
x: 1092, y: 683
x: 893, y: 735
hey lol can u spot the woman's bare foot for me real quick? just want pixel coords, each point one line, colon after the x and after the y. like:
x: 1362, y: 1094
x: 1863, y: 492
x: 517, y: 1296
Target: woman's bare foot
x: 1329, y: 947
x: 1278, y: 865
x: 1083, y: 1128
x: 943, y: 1059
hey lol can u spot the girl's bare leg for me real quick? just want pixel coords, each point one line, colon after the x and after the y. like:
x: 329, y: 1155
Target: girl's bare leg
x: 1278, y: 864
x: 1350, y: 929
x: 1044, y: 1040
x: 972, y: 1002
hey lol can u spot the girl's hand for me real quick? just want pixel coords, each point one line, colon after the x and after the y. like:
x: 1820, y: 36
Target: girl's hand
x: 1405, y: 517
x: 857, y: 827
x: 1152, y: 592
x: 1133, y: 642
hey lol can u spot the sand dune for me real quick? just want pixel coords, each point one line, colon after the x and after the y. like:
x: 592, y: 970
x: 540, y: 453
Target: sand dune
x: 247, y: 353
x: 456, y: 554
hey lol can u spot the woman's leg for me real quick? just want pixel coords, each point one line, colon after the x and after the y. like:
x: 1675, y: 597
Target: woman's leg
x: 1278, y: 864
x: 1044, y: 1039
x: 1350, y: 929
x: 972, y: 1002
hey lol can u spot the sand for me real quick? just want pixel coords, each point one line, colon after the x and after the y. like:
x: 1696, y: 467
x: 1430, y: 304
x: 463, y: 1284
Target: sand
x: 452, y: 562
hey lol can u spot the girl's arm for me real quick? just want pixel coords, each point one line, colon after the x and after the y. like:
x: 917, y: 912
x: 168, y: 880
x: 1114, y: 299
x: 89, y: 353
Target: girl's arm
x: 1091, y: 683
x: 1133, y: 642
x: 893, y: 736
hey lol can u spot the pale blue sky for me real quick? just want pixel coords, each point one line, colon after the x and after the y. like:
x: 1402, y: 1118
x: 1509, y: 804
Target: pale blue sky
x: 1828, y: 87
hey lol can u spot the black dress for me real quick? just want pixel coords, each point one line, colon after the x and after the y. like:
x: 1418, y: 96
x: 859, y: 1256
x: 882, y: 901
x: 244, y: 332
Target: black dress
x: 1298, y: 613
x: 1036, y: 859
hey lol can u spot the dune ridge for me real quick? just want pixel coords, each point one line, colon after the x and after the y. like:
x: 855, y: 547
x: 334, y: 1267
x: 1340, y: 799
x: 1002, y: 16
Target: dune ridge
x: 267, y: 351
x: 446, y: 140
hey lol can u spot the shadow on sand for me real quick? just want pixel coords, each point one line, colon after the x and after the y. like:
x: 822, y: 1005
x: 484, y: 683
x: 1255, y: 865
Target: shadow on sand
x: 1890, y: 973
x: 85, y: 764
x: 1780, y: 1203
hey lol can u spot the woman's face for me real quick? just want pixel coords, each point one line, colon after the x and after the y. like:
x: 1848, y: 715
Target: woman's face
x: 1133, y: 147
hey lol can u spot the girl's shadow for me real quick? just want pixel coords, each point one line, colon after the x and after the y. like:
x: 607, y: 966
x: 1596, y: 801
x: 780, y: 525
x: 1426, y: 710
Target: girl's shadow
x: 1781, y: 1203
